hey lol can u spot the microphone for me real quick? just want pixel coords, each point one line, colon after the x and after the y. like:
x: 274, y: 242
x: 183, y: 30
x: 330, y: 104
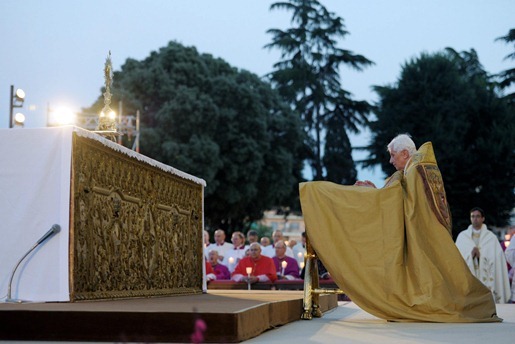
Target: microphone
x: 53, y: 230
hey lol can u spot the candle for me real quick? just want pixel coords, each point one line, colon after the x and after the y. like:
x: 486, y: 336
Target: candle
x: 249, y: 271
x: 302, y: 265
x: 284, y: 264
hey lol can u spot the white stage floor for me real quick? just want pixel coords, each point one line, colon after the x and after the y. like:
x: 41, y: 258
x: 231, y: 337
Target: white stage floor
x: 350, y: 324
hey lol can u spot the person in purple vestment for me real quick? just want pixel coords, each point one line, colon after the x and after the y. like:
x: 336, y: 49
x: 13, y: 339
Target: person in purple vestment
x: 221, y: 271
x: 287, y: 268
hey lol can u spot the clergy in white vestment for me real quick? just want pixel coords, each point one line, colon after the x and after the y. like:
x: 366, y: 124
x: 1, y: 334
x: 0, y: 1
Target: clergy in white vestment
x: 220, y: 244
x: 484, y: 256
x: 237, y: 252
x: 269, y: 250
x: 299, y: 250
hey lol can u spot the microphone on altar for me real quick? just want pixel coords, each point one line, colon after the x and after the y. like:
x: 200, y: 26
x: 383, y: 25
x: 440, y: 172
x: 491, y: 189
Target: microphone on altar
x: 53, y: 230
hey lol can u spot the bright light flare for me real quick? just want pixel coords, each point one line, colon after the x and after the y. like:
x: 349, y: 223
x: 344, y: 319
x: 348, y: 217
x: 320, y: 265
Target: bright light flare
x: 62, y: 116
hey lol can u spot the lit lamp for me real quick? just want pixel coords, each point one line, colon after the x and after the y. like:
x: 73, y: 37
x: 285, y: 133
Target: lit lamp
x: 19, y: 119
x: 249, y: 271
x: 15, y: 101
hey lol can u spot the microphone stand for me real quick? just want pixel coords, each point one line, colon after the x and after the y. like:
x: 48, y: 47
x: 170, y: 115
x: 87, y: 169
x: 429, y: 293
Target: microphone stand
x: 55, y: 229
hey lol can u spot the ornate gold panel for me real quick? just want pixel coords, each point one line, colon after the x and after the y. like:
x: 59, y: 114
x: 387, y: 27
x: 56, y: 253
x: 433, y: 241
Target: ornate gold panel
x: 136, y: 230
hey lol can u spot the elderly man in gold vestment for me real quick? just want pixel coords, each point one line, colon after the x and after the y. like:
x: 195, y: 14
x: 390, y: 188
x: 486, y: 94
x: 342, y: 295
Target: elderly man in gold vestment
x: 390, y: 249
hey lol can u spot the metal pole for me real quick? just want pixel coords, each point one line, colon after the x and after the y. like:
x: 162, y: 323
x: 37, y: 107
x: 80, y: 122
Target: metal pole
x: 11, y: 105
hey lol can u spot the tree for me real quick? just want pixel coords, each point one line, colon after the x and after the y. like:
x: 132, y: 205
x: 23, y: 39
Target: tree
x: 448, y: 98
x: 308, y: 78
x: 218, y: 123
x: 508, y: 76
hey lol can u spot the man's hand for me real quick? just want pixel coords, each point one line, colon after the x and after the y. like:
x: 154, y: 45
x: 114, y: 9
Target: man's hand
x: 251, y: 279
x: 366, y: 183
x: 475, y: 253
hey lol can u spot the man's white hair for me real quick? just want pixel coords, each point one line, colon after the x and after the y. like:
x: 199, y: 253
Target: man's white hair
x: 402, y: 142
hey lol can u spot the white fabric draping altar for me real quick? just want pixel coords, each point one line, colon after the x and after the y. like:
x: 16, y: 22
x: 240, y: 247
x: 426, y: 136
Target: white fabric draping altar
x: 35, y: 189
x: 35, y: 177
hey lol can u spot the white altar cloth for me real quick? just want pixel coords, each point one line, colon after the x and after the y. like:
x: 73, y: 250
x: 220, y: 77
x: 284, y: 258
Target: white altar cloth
x: 35, y: 175
x: 35, y: 189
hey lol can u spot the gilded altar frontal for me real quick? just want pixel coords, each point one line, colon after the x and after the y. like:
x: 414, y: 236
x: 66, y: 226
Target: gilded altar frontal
x: 136, y: 230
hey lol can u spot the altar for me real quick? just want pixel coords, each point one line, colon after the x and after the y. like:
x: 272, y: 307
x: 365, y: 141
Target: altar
x: 130, y: 226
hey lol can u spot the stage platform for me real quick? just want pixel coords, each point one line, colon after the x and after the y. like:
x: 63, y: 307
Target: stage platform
x: 349, y: 324
x: 230, y: 316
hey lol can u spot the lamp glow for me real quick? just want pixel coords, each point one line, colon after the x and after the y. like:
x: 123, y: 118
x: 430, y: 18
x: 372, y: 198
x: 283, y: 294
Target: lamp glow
x: 62, y: 116
x: 19, y: 118
x: 20, y: 94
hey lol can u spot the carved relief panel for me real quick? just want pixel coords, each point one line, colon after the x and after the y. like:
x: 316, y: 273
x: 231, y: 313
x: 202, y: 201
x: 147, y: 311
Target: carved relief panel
x: 136, y: 229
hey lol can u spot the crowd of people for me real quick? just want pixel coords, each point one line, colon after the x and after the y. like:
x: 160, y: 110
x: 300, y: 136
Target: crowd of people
x: 277, y: 259
x: 253, y: 259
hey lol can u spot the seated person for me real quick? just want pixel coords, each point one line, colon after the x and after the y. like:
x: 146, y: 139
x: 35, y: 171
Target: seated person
x: 287, y: 268
x: 265, y: 241
x: 236, y: 252
x: 220, y: 271
x: 269, y: 250
x: 262, y: 267
x: 252, y: 236
x: 210, y: 276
